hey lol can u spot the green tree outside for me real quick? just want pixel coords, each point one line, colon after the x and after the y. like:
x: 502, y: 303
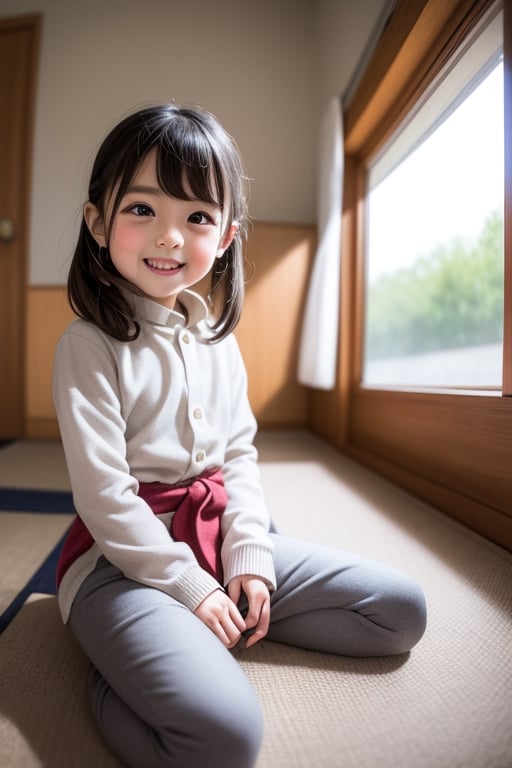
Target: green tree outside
x: 450, y: 298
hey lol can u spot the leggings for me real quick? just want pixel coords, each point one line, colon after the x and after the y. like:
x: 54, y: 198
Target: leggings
x: 163, y: 689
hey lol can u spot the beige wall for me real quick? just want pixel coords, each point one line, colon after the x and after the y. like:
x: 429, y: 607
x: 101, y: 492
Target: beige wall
x: 251, y: 63
x: 266, y: 68
x: 343, y: 29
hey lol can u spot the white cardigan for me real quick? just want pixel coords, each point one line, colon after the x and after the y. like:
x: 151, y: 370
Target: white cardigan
x: 165, y: 407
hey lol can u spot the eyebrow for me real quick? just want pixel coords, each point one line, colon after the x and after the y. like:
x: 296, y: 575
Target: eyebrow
x: 143, y: 189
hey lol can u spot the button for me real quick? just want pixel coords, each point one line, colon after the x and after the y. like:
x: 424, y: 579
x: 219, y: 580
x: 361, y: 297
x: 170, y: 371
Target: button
x: 186, y: 338
x: 197, y: 413
x: 200, y: 456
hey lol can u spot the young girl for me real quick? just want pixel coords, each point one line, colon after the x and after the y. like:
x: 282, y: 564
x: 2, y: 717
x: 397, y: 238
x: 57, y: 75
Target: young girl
x: 171, y: 558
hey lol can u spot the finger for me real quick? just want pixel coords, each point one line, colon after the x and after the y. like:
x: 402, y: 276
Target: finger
x: 229, y: 632
x: 223, y: 636
x: 237, y: 618
x: 262, y: 626
x: 226, y: 628
x: 222, y: 617
x: 253, y: 615
x: 234, y: 590
x: 256, y: 603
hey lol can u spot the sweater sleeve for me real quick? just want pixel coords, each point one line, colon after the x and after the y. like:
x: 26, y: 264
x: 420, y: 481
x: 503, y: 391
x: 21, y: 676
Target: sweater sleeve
x: 88, y: 404
x: 247, y: 547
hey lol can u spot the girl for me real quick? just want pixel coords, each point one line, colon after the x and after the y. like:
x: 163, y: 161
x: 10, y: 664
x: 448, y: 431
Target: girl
x: 171, y: 558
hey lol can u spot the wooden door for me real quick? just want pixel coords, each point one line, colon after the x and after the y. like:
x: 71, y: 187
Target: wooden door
x: 18, y: 56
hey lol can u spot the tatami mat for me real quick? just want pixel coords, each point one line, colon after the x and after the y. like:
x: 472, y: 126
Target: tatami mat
x: 25, y: 541
x: 448, y: 704
x: 44, y: 718
x: 37, y: 464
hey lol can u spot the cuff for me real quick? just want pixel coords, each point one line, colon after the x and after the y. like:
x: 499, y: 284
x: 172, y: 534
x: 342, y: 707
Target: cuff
x: 192, y: 586
x: 253, y: 559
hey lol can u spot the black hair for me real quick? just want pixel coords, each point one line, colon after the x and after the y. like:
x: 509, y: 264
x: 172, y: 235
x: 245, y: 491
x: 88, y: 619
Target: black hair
x: 195, y: 157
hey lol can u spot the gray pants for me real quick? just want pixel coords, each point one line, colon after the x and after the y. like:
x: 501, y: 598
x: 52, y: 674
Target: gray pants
x: 164, y: 690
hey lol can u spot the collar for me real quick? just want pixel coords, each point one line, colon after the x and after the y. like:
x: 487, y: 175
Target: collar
x: 193, y: 305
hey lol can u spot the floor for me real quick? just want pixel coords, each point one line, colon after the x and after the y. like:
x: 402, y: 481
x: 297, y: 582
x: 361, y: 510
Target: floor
x: 447, y: 704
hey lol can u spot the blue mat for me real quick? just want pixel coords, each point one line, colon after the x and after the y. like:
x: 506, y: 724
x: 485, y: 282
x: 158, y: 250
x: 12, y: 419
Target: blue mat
x: 49, y: 502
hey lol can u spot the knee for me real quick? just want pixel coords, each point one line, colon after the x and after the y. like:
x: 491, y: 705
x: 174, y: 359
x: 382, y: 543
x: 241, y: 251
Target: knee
x: 232, y: 739
x: 223, y: 730
x: 409, y: 616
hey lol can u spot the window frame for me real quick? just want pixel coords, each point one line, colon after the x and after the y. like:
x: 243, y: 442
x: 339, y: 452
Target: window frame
x: 451, y: 448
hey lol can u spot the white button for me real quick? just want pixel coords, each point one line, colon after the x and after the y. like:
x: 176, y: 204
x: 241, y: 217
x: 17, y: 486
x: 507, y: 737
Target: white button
x: 200, y: 456
x: 186, y: 338
x: 197, y: 413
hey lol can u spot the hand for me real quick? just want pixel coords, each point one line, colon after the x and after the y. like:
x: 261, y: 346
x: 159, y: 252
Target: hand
x: 221, y: 615
x: 258, y: 597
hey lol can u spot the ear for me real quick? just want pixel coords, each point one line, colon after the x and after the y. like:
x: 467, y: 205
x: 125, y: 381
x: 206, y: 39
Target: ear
x: 95, y: 223
x: 227, y: 239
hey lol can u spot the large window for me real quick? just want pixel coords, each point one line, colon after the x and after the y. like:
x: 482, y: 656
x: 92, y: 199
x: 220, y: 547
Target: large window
x: 425, y: 372
x: 434, y: 245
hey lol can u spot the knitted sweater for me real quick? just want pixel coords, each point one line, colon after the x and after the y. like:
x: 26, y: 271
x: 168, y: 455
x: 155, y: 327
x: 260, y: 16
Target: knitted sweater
x: 165, y: 407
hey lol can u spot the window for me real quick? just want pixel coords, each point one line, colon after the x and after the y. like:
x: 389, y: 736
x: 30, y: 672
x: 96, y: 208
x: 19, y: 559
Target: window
x: 445, y: 435
x: 434, y: 224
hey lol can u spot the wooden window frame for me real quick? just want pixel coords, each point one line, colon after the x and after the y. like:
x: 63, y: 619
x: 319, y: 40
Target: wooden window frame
x: 452, y: 449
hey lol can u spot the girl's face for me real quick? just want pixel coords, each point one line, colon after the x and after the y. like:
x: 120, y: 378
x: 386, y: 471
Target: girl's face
x: 159, y: 243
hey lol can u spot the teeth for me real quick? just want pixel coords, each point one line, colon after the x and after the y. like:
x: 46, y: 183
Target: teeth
x: 164, y: 265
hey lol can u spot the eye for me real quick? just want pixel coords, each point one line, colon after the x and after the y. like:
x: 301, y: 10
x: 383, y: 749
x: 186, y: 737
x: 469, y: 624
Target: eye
x: 141, y: 209
x: 199, y: 217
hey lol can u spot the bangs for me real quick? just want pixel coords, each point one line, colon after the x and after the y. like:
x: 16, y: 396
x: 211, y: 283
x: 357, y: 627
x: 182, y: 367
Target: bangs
x: 195, y: 160
x: 186, y: 165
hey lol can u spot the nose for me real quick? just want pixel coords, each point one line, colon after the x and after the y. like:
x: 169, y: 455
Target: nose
x: 170, y: 237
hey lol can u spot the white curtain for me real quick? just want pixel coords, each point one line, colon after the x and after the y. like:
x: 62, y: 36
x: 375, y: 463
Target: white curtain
x: 319, y: 342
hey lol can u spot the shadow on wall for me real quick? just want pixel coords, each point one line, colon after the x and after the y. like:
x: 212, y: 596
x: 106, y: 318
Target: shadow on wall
x: 280, y: 258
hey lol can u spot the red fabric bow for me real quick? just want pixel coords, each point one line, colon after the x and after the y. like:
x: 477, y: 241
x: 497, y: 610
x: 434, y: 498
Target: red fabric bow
x: 198, y: 509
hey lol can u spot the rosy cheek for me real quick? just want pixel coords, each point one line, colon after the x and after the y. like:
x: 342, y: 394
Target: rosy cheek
x: 126, y: 237
x: 208, y: 252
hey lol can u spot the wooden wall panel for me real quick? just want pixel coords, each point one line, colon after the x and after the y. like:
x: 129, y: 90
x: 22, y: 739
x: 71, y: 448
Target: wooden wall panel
x: 268, y: 332
x: 48, y: 314
x: 460, y: 461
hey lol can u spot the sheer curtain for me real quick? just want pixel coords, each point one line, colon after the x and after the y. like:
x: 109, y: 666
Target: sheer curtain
x: 319, y: 341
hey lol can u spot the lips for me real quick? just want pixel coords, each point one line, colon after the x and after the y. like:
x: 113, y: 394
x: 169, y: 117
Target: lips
x: 163, y: 265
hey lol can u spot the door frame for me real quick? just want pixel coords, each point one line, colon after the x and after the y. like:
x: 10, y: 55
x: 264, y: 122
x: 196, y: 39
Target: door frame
x: 16, y: 358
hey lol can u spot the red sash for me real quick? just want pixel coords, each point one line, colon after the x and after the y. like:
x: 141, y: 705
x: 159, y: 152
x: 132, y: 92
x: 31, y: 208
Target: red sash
x: 198, y: 507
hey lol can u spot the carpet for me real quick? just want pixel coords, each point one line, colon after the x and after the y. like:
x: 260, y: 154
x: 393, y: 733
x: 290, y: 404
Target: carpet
x: 447, y: 704
x: 36, y: 509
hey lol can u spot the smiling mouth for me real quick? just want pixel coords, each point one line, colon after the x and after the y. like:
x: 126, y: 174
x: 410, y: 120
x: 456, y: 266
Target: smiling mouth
x: 159, y: 265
